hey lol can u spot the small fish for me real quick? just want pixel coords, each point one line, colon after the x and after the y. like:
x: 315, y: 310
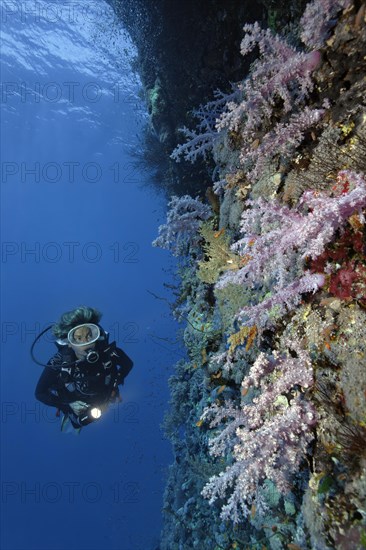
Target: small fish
x: 221, y: 389
x: 199, y: 423
x: 219, y: 233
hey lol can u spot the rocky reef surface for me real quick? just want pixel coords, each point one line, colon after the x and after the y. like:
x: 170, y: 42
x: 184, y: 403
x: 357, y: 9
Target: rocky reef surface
x: 185, y: 51
x: 268, y: 414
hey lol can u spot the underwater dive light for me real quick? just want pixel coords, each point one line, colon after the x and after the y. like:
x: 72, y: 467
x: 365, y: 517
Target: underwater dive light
x: 90, y: 415
x: 95, y: 413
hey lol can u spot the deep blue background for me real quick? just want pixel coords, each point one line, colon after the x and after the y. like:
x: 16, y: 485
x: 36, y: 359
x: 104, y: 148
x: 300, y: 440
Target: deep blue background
x: 69, y: 96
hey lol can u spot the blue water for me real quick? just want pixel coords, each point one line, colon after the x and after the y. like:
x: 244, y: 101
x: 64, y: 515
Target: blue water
x: 77, y: 224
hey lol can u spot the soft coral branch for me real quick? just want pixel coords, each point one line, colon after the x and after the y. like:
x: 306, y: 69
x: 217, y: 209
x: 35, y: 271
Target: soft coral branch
x: 269, y: 437
x: 280, y: 74
x: 278, y: 241
x: 318, y: 20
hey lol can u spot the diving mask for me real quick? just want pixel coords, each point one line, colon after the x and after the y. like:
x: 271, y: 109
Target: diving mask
x: 83, y: 335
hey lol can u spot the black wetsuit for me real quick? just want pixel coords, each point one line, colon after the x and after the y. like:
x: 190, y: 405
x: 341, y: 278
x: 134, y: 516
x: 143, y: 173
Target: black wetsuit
x: 66, y: 380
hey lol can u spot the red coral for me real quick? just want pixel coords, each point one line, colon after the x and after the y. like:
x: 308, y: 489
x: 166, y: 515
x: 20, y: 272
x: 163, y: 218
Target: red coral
x: 349, y: 282
x: 341, y: 283
x: 346, y: 257
x: 359, y: 242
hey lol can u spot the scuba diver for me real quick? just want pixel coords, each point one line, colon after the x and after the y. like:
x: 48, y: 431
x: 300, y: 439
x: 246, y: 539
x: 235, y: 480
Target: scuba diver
x: 81, y: 380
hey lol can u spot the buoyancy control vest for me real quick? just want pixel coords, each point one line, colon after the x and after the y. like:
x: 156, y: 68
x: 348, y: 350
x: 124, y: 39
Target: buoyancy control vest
x: 97, y: 378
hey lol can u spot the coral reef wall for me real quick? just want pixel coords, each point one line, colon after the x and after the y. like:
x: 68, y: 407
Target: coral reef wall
x: 186, y: 49
x: 268, y: 413
x: 184, y: 53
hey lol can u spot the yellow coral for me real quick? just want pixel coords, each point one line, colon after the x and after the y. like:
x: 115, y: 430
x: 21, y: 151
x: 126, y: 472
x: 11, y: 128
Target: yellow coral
x: 220, y: 257
x: 238, y: 338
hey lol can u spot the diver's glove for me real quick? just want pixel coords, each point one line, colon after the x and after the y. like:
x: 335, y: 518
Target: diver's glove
x: 78, y: 407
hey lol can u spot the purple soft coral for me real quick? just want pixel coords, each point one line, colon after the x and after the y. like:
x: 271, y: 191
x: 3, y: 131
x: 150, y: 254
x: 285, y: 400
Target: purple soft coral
x: 268, y: 437
x: 184, y: 219
x: 277, y: 241
x: 318, y: 20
